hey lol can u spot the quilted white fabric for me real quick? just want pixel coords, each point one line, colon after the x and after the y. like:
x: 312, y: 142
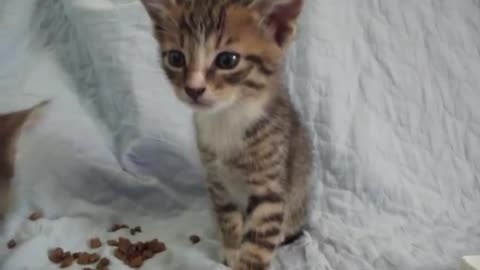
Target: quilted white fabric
x: 389, y: 90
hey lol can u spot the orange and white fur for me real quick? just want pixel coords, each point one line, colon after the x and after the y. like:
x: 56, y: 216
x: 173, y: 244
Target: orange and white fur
x: 224, y: 58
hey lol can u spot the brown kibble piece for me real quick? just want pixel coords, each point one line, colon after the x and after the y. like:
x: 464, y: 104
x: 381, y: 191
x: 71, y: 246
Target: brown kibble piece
x: 112, y: 243
x: 119, y: 254
x: 104, y: 262
x: 162, y: 247
x: 116, y: 227
x: 83, y: 258
x: 123, y: 244
x: 11, y: 244
x: 56, y: 255
x: 151, y: 244
x: 135, y: 230
x: 88, y: 268
x: 147, y: 254
x: 35, y: 216
x: 131, y: 250
x: 135, y: 254
x: 195, y: 239
x: 75, y: 255
x: 93, y: 258
x: 136, y: 262
x: 67, y: 261
x: 67, y: 254
x: 140, y: 246
x: 156, y: 246
x: 95, y: 243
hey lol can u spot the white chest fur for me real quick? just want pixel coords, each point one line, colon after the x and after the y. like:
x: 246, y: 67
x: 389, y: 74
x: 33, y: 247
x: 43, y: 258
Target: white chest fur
x: 222, y: 132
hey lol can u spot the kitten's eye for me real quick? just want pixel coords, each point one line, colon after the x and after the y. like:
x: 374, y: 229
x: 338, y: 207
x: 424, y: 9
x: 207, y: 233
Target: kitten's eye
x: 176, y: 58
x: 227, y: 60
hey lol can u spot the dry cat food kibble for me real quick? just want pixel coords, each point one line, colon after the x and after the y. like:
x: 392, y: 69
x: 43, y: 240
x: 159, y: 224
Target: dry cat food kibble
x: 118, y: 254
x: 56, y: 255
x: 11, y: 244
x: 94, y: 258
x: 104, y: 262
x: 112, y: 243
x: 123, y: 244
x: 35, y: 216
x: 135, y: 230
x: 156, y: 246
x: 116, y: 227
x: 194, y: 239
x: 131, y: 254
x: 134, y: 255
x: 147, y: 254
x: 95, y: 243
x: 83, y: 258
x: 136, y: 262
x: 67, y: 260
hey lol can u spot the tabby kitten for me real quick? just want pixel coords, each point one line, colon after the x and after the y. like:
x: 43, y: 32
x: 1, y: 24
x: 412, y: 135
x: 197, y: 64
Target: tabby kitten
x: 224, y: 59
x: 11, y: 126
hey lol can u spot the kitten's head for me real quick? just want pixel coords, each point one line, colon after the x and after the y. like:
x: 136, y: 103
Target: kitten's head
x: 216, y: 52
x: 11, y: 126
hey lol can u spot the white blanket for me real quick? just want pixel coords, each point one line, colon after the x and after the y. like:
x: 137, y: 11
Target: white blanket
x: 389, y: 90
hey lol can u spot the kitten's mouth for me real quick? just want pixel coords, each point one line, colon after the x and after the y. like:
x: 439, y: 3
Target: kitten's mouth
x: 199, y: 104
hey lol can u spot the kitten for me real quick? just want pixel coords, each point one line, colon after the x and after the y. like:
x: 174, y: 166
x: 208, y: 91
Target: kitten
x: 224, y: 58
x: 11, y: 126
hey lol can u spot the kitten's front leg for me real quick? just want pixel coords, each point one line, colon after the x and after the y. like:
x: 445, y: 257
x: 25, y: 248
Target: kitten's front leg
x: 228, y: 216
x: 264, y: 221
x: 229, y: 220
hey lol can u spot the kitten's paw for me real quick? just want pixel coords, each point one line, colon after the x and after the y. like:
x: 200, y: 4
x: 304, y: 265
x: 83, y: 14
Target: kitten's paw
x: 230, y: 256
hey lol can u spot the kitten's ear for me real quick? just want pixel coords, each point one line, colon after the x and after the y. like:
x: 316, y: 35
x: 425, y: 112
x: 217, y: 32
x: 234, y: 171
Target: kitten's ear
x: 157, y: 9
x: 279, y: 16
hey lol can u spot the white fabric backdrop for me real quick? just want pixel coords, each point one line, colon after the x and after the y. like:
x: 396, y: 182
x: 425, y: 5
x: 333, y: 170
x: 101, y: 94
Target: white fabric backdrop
x: 389, y: 90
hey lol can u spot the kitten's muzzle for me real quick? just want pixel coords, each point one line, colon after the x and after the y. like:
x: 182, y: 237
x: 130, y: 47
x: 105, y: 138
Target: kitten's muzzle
x: 194, y: 93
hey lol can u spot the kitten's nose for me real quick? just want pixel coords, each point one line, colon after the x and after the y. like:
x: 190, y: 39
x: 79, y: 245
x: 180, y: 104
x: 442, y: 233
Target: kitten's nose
x: 194, y: 93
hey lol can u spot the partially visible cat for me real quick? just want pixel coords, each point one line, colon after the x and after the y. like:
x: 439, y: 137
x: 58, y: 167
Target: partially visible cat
x: 11, y: 126
x: 224, y: 58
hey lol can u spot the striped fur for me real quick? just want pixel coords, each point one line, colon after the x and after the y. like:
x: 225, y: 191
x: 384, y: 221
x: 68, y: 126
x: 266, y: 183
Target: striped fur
x: 252, y: 144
